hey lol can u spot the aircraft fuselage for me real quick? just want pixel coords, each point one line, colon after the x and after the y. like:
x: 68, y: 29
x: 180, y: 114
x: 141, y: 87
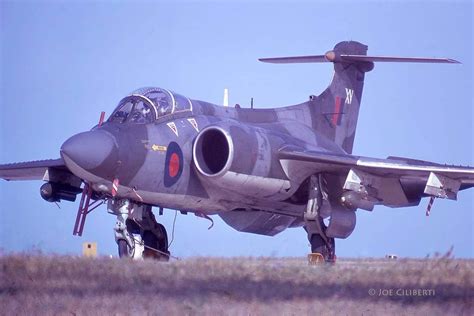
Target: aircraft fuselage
x: 154, y: 162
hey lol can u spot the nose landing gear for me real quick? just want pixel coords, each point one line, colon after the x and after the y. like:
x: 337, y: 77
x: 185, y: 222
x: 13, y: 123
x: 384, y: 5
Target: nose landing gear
x: 137, y: 233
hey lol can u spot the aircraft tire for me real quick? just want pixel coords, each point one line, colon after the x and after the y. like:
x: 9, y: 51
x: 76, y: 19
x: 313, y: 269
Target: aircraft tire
x: 319, y: 246
x: 159, y: 242
x: 123, y: 249
x: 163, y: 240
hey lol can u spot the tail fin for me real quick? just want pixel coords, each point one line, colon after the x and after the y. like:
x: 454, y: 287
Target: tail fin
x: 339, y: 104
x: 336, y: 110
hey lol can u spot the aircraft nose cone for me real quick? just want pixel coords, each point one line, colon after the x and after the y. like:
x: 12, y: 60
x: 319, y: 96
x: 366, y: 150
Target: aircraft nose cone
x: 94, y: 151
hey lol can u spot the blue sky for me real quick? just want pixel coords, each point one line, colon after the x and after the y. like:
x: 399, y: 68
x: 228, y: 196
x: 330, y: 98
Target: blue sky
x: 62, y: 63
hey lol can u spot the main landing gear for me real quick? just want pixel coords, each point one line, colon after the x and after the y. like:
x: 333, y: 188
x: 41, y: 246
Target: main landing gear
x: 323, y: 248
x: 137, y: 233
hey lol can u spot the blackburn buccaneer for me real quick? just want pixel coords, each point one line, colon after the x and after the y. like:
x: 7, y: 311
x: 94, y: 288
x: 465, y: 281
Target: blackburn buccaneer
x: 260, y: 170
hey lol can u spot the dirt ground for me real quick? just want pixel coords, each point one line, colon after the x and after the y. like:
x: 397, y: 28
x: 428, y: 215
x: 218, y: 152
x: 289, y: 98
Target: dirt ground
x: 34, y: 284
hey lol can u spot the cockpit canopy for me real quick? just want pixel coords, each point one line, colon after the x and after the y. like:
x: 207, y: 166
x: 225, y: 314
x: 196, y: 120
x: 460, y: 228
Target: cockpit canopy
x: 145, y: 105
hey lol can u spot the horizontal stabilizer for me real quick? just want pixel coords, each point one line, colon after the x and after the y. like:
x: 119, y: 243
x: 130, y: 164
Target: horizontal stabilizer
x: 296, y: 59
x: 332, y: 56
x: 358, y: 58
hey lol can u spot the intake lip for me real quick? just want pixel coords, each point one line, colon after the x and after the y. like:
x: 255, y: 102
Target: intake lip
x: 213, y: 151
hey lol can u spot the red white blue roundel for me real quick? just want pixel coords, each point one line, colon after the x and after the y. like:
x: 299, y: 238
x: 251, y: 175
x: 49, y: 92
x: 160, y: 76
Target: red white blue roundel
x: 173, y: 164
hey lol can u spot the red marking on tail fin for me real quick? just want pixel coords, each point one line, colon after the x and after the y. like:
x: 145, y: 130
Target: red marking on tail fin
x: 337, y: 110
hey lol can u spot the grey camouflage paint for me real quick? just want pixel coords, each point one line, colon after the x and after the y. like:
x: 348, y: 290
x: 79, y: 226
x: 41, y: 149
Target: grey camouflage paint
x: 263, y: 203
x: 255, y: 189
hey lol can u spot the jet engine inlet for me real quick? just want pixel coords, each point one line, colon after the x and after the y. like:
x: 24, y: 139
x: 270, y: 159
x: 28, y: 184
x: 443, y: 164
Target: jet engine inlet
x: 213, y: 151
x: 239, y: 159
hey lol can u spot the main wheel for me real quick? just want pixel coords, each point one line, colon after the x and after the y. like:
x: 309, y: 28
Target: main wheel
x: 157, y: 240
x: 163, y: 240
x: 318, y: 245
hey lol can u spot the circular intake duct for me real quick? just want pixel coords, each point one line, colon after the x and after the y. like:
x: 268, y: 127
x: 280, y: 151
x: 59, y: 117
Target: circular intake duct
x: 213, y: 151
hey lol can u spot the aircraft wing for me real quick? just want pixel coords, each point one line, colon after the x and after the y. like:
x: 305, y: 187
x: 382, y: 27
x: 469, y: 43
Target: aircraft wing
x: 31, y: 170
x: 393, y: 181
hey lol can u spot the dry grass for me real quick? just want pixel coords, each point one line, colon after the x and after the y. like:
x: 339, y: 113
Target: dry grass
x: 239, y: 286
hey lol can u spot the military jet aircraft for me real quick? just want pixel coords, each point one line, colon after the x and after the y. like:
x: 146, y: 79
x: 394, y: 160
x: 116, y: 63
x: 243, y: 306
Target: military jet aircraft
x: 261, y: 170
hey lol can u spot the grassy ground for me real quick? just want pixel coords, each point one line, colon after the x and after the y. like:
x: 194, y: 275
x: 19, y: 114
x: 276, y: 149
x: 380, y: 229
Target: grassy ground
x: 240, y: 286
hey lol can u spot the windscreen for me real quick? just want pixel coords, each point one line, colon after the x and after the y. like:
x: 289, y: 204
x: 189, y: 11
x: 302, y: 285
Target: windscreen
x: 134, y: 109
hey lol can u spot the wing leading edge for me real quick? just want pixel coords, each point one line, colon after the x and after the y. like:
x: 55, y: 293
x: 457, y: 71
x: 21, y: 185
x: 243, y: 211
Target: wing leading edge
x: 385, y: 167
x: 394, y: 181
x: 31, y: 170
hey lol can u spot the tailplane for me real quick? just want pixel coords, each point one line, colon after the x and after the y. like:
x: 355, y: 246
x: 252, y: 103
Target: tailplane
x: 335, y: 111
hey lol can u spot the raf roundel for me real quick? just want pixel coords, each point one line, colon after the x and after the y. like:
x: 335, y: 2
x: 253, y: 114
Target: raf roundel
x: 173, y: 164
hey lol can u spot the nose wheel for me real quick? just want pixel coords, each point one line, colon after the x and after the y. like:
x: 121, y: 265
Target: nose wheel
x: 124, y: 250
x: 128, y: 238
x: 137, y: 233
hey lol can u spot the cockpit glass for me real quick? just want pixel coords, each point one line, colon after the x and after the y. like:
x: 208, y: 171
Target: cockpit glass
x: 133, y: 109
x: 182, y: 103
x: 141, y: 113
x: 145, y: 105
x: 122, y: 112
x: 162, y: 100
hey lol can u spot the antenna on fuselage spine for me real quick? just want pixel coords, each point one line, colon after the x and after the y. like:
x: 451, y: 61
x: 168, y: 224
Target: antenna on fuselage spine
x: 226, y: 97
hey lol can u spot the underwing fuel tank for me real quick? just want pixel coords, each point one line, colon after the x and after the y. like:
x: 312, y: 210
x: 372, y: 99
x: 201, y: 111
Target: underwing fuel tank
x: 353, y: 200
x: 241, y: 159
x: 55, y: 192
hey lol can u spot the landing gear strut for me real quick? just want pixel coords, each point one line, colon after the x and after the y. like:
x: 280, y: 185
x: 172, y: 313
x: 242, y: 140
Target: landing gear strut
x: 137, y: 233
x: 321, y: 244
x: 124, y: 250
